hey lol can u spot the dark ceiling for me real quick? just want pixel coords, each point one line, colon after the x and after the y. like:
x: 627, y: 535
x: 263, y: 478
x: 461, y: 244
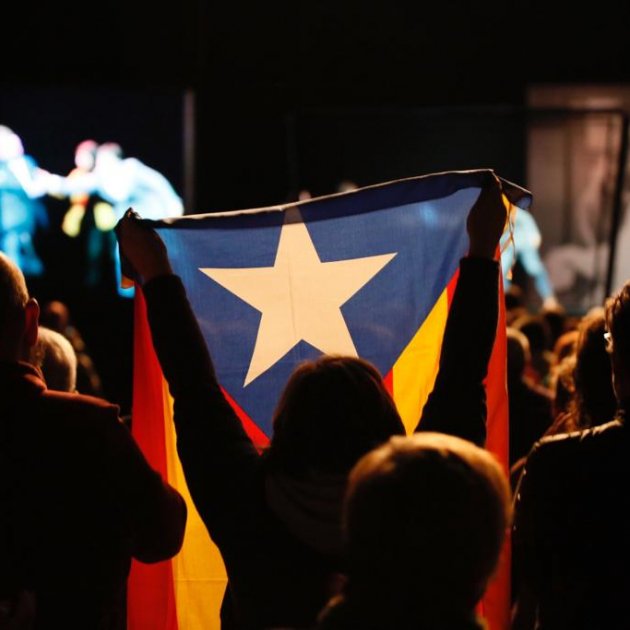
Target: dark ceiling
x: 322, y: 51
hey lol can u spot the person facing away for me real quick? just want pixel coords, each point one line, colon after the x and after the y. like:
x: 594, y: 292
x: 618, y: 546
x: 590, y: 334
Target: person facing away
x: 425, y: 517
x: 54, y: 355
x: 571, y: 532
x: 583, y: 391
x: 593, y: 399
x: 56, y: 316
x: 78, y: 499
x: 538, y: 334
x: 530, y: 405
x: 276, y: 516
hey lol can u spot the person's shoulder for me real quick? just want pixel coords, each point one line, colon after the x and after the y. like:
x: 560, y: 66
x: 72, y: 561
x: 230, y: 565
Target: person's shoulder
x: 74, y: 399
x: 578, y: 443
x: 77, y: 410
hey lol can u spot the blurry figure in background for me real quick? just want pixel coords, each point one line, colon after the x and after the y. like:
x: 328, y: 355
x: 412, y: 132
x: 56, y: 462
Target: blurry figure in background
x: 558, y: 323
x: 84, y: 159
x: 565, y: 344
x: 56, y: 316
x: 530, y: 405
x: 538, y: 333
x: 89, y: 215
x: 54, y: 355
x: 562, y: 391
x: 563, y: 386
x: 128, y: 182
x: 572, y: 265
x: 514, y: 303
x: 294, y: 195
x: 525, y: 250
x: 346, y: 185
x: 578, y: 264
x: 594, y: 400
x: 581, y: 381
x: 124, y: 183
x: 22, y: 183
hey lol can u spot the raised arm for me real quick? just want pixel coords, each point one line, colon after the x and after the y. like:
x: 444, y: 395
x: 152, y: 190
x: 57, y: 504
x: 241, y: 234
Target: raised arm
x: 457, y: 404
x: 217, y: 456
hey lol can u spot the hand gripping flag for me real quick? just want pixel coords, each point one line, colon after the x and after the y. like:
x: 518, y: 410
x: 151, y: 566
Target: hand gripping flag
x: 368, y: 273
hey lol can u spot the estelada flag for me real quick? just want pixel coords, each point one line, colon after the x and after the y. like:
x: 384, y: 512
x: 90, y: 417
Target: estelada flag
x: 367, y: 273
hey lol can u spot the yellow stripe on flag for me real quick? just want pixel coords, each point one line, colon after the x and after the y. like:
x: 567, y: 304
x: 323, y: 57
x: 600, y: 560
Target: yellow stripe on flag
x: 198, y: 571
x: 415, y: 371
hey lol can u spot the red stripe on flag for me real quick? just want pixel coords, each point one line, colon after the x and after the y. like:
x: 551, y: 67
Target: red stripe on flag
x: 151, y: 594
x: 496, y: 389
x: 496, y: 601
x: 255, y: 434
x: 388, y: 381
x: 451, y: 286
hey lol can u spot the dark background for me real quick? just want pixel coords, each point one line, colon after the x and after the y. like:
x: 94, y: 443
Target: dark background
x: 288, y: 95
x: 255, y: 64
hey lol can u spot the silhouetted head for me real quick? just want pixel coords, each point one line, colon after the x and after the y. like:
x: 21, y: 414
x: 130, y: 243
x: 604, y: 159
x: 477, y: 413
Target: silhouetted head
x: 425, y: 519
x: 518, y: 354
x: 56, y: 358
x: 594, y: 395
x: 18, y: 313
x: 333, y: 410
x: 537, y: 331
x: 557, y: 322
x: 514, y: 298
x: 618, y: 325
x: 565, y: 345
x: 55, y: 315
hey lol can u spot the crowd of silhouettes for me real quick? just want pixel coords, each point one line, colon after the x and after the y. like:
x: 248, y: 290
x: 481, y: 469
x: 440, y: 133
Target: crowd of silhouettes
x: 342, y: 522
x: 569, y: 462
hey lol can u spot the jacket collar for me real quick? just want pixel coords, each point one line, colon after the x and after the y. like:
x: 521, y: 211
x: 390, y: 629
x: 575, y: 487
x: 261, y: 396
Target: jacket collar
x: 19, y: 377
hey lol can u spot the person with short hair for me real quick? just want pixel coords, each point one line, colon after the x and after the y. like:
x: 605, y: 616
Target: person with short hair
x: 78, y: 500
x: 425, y: 517
x: 54, y: 355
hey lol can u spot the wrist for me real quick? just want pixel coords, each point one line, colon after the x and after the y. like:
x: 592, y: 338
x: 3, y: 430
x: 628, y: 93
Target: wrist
x: 163, y: 268
x: 482, y: 252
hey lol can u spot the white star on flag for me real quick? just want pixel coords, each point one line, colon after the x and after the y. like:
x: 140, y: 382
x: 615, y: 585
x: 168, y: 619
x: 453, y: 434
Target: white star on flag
x: 300, y: 297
